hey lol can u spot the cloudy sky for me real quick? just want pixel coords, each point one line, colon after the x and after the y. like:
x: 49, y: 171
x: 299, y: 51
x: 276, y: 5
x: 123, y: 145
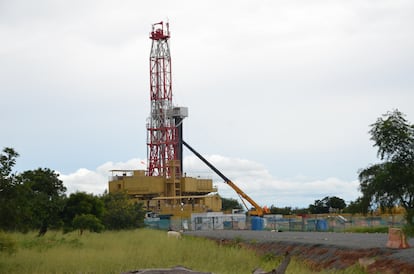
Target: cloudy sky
x: 280, y: 93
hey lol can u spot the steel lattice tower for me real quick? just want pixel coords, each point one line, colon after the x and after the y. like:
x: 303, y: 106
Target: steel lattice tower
x: 162, y: 133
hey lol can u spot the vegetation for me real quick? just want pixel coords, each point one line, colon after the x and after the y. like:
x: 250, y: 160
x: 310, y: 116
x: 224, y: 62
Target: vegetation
x: 376, y: 229
x: 228, y: 204
x: 281, y: 210
x: 121, y: 251
x: 78, y: 204
x: 327, y: 205
x: 116, y: 252
x: 288, y: 210
x: 87, y: 221
x: 30, y: 200
x: 409, y: 230
x: 391, y: 182
x: 36, y: 200
x: 44, y: 197
x: 360, y: 205
x: 120, y: 213
x: 7, y: 245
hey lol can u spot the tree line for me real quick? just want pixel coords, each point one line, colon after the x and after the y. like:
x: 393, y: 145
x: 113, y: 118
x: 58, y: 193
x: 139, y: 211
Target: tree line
x: 328, y: 204
x: 37, y: 200
x: 383, y: 185
x: 325, y: 205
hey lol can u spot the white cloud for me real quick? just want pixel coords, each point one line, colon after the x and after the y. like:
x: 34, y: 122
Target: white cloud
x: 290, y: 85
x: 96, y: 181
x: 257, y: 182
x: 84, y: 180
x: 252, y: 177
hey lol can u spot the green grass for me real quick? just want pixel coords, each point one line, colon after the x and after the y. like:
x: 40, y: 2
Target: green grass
x: 376, y: 229
x: 116, y: 252
x: 7, y: 245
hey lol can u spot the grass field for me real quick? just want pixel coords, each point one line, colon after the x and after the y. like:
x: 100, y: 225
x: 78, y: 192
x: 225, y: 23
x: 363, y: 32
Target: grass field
x: 116, y: 252
x: 377, y: 229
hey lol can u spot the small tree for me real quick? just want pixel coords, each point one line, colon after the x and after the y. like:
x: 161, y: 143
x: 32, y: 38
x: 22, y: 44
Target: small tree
x: 87, y: 221
x: 327, y: 204
x: 230, y: 203
x: 46, y: 194
x: 336, y: 203
x: 80, y: 203
x: 360, y: 205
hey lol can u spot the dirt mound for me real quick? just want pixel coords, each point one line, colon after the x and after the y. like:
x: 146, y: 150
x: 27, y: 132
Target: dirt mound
x: 322, y: 250
x: 319, y: 257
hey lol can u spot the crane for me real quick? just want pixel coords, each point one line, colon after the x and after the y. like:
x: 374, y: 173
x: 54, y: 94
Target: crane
x: 257, y: 211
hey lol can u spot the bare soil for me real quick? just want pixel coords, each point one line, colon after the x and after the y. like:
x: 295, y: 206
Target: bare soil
x: 322, y: 250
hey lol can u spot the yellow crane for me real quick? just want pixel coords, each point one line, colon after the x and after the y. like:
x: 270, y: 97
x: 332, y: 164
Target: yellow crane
x: 257, y: 211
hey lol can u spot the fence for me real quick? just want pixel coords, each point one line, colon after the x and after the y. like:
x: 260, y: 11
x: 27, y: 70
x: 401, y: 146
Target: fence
x: 325, y: 222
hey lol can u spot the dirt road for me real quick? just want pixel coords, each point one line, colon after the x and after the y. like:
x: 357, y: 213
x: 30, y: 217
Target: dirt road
x: 326, y: 249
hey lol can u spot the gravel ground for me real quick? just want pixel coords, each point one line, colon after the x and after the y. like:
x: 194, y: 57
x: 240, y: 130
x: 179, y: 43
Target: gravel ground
x: 344, y: 240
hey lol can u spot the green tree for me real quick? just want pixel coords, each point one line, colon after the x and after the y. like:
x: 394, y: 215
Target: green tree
x: 121, y: 213
x: 11, y: 210
x: 391, y: 182
x: 360, y: 205
x: 30, y: 200
x: 327, y: 204
x: 45, y: 195
x: 319, y: 207
x: 87, y: 221
x: 81, y: 203
x: 336, y: 203
x: 7, y: 162
x: 287, y: 210
x: 230, y: 203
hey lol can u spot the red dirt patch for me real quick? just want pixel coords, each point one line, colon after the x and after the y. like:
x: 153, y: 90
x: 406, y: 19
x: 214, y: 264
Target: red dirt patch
x: 319, y: 257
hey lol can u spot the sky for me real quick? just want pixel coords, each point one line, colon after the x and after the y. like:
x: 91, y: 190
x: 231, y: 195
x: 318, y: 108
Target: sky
x: 281, y: 94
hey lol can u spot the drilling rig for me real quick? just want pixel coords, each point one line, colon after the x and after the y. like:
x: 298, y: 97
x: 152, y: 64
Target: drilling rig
x: 162, y: 187
x: 165, y: 120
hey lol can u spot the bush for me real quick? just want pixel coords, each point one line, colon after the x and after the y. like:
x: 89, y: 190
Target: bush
x: 377, y: 229
x: 87, y: 221
x: 120, y: 213
x: 409, y: 230
x: 7, y: 245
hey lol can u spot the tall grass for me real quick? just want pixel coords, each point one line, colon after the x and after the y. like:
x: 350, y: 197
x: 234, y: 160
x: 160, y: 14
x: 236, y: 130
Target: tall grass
x: 116, y: 252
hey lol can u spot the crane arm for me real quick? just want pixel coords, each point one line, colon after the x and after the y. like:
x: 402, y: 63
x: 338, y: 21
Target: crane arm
x: 258, y: 210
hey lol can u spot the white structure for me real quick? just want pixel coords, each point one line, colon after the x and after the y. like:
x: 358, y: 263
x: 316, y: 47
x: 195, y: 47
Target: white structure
x: 217, y: 220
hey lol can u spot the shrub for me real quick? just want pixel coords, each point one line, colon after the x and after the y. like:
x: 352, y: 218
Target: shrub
x: 87, y: 221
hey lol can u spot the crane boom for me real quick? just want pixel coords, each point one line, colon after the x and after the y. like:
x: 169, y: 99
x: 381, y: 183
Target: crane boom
x: 258, y: 210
